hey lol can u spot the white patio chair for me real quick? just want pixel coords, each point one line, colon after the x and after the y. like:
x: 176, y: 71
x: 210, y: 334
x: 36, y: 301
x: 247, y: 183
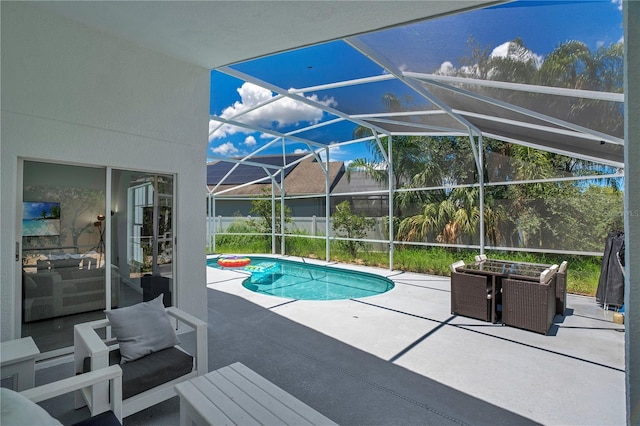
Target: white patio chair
x: 21, y: 408
x: 145, y: 381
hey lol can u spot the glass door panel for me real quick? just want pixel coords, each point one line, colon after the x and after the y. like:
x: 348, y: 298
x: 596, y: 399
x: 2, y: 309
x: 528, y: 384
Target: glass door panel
x: 142, y: 235
x: 63, y: 264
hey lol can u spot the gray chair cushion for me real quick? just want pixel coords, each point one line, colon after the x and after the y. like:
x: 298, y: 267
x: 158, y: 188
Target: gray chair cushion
x: 149, y: 371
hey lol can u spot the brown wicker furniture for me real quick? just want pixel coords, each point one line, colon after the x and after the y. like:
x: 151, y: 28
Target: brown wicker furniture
x: 477, y: 291
x: 528, y: 304
x: 471, y: 296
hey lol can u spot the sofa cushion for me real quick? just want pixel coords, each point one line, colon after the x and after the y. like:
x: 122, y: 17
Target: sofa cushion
x: 150, y: 371
x: 142, y: 329
x: 16, y: 409
x: 87, y: 273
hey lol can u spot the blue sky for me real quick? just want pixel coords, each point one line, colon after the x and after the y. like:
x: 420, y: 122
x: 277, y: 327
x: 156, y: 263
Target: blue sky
x: 542, y: 25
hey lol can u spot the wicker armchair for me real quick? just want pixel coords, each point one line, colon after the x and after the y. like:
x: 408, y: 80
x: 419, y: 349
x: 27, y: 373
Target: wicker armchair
x: 530, y: 305
x: 470, y: 294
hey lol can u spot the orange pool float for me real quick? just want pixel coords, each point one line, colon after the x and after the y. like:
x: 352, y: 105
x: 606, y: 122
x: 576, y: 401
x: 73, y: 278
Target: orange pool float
x: 233, y: 261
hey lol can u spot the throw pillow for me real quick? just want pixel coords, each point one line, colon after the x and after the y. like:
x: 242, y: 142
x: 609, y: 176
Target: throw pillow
x: 142, y: 329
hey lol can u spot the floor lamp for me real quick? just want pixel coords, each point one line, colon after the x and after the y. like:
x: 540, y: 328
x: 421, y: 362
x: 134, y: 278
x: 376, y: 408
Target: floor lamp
x: 98, y: 224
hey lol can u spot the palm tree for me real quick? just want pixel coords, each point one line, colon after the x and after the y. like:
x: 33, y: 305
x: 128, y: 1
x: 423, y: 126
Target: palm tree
x: 446, y: 221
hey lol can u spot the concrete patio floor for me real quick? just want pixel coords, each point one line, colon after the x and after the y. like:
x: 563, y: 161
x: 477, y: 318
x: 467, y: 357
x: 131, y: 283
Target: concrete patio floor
x: 574, y: 376
x: 401, y: 358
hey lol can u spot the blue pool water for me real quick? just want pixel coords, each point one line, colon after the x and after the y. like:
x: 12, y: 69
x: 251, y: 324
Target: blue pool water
x: 303, y: 281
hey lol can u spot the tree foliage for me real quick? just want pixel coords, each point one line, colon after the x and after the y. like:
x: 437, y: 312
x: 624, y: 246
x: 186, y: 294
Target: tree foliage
x: 347, y: 224
x: 262, y: 208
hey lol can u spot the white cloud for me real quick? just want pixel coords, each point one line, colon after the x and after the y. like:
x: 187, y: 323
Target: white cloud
x: 225, y: 149
x: 618, y: 3
x: 281, y: 112
x: 250, y: 141
x: 446, y: 68
x: 518, y: 53
x: 505, y: 50
x: 301, y: 151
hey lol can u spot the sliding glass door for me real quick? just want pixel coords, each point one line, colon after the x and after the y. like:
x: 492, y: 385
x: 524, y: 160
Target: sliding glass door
x: 80, y: 257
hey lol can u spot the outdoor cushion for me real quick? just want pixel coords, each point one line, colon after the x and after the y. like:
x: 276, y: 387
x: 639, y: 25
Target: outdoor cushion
x: 142, y: 329
x: 19, y: 410
x: 149, y: 371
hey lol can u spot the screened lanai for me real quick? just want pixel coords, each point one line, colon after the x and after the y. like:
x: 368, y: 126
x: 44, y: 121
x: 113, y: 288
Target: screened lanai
x: 508, y: 115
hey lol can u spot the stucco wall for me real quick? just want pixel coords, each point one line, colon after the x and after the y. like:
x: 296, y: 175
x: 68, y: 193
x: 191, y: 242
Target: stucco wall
x: 78, y: 96
x: 632, y: 208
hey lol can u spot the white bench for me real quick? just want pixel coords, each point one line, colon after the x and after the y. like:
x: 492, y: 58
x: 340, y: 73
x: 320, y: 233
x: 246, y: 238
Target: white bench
x: 236, y: 394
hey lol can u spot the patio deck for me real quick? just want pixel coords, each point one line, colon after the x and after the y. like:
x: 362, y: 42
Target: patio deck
x: 402, y: 358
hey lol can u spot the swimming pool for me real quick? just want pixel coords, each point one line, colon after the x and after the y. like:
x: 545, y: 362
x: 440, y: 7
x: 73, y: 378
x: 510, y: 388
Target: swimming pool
x: 304, y: 281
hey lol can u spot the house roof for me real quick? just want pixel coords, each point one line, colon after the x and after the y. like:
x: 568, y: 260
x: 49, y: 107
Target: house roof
x: 302, y: 178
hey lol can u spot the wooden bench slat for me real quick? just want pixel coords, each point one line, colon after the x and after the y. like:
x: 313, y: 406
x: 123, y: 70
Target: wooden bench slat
x: 202, y: 406
x: 311, y: 415
x: 237, y: 395
x: 234, y: 401
x: 278, y: 407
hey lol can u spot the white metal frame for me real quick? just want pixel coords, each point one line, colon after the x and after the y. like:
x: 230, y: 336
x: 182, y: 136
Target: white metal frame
x: 111, y: 377
x: 414, y: 81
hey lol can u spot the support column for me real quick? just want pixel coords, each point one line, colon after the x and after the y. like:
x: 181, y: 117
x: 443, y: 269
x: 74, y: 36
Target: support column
x: 327, y: 209
x: 478, y: 156
x: 282, y: 215
x: 391, y: 205
x: 631, y: 18
x: 481, y: 190
x: 273, y: 214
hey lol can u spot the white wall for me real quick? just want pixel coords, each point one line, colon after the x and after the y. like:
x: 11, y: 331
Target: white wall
x: 75, y: 95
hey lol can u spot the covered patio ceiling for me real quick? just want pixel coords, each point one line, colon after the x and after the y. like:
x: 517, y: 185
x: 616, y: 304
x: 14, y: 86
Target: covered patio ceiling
x: 403, y: 83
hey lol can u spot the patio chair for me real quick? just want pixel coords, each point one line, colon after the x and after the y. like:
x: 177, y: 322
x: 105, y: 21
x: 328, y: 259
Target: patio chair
x: 530, y: 305
x: 21, y: 408
x: 470, y: 294
x: 148, y: 350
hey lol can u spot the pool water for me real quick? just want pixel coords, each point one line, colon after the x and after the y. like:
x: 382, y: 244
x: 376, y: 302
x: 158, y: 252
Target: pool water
x: 303, y: 281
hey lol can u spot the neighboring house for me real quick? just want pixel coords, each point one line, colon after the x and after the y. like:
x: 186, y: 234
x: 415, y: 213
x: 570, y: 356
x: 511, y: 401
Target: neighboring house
x: 302, y: 179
